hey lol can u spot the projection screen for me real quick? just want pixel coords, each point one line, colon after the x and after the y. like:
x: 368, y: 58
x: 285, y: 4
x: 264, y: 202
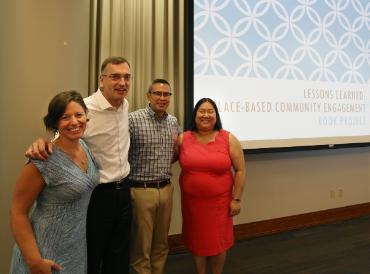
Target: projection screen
x: 285, y: 73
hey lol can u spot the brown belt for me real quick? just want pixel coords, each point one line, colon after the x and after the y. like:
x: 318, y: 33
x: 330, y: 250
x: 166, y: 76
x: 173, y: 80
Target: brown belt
x: 150, y: 184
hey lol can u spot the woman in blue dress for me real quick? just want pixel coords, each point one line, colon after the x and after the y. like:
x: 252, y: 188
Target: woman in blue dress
x: 52, y: 239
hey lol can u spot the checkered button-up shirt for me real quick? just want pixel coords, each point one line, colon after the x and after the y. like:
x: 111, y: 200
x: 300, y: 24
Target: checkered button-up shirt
x: 153, y: 140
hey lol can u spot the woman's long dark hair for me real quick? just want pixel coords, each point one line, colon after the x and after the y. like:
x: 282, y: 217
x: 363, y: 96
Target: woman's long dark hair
x: 193, y: 126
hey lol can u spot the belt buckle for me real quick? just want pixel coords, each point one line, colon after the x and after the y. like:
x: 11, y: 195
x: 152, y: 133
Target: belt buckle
x: 118, y: 185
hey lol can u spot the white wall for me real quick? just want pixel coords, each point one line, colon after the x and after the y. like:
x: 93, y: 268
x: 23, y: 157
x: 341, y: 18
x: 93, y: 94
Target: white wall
x: 43, y: 50
x: 290, y: 183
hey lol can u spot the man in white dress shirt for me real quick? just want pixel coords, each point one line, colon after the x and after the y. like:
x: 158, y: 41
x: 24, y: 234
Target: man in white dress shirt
x: 109, y: 213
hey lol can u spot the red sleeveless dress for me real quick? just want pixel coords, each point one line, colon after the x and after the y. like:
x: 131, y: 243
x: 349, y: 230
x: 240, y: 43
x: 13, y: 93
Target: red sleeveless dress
x: 206, y: 185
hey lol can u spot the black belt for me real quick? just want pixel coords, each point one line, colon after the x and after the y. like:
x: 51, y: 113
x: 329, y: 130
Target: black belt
x: 115, y: 185
x: 150, y: 184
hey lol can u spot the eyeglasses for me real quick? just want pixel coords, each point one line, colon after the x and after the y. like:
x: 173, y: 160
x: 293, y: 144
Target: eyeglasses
x: 159, y: 94
x: 117, y: 77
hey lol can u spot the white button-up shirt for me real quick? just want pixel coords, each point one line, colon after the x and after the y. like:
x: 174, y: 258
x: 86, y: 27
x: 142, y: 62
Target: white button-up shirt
x: 107, y: 135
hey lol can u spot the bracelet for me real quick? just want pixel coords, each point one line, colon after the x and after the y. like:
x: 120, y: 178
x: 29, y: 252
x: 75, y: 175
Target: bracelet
x: 237, y: 200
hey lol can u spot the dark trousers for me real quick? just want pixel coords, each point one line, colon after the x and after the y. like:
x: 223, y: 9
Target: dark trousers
x: 108, y: 230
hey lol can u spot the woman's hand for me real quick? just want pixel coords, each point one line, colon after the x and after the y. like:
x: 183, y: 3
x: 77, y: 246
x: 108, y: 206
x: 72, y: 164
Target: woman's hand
x: 44, y: 266
x: 235, y: 207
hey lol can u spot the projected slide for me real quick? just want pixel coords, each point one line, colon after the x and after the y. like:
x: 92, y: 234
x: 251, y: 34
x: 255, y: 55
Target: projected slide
x: 286, y: 73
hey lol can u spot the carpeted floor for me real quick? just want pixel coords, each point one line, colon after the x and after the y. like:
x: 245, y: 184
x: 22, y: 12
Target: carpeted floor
x: 338, y: 248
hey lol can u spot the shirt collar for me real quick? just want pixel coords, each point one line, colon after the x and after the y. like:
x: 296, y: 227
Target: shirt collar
x: 103, y: 102
x: 151, y: 113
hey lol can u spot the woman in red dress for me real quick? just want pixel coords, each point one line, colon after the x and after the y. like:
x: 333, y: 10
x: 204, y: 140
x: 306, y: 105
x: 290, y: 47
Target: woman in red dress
x: 210, y: 191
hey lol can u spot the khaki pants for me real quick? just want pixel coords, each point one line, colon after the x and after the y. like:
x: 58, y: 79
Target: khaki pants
x: 151, y: 208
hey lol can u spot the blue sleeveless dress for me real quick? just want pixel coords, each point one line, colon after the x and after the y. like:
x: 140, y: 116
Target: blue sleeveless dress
x: 58, y: 218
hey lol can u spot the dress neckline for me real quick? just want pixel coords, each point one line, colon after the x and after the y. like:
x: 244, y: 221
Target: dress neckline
x: 58, y: 148
x: 193, y: 134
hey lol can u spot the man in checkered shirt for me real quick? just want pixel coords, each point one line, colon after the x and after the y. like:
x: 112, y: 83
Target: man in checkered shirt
x: 153, y: 134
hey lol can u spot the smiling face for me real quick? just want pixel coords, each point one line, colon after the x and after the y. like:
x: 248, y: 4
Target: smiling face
x: 115, y: 83
x: 72, y: 123
x: 159, y: 97
x: 205, y: 118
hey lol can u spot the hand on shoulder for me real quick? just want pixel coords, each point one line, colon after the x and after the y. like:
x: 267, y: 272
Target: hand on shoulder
x: 179, y: 139
x: 40, y: 149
